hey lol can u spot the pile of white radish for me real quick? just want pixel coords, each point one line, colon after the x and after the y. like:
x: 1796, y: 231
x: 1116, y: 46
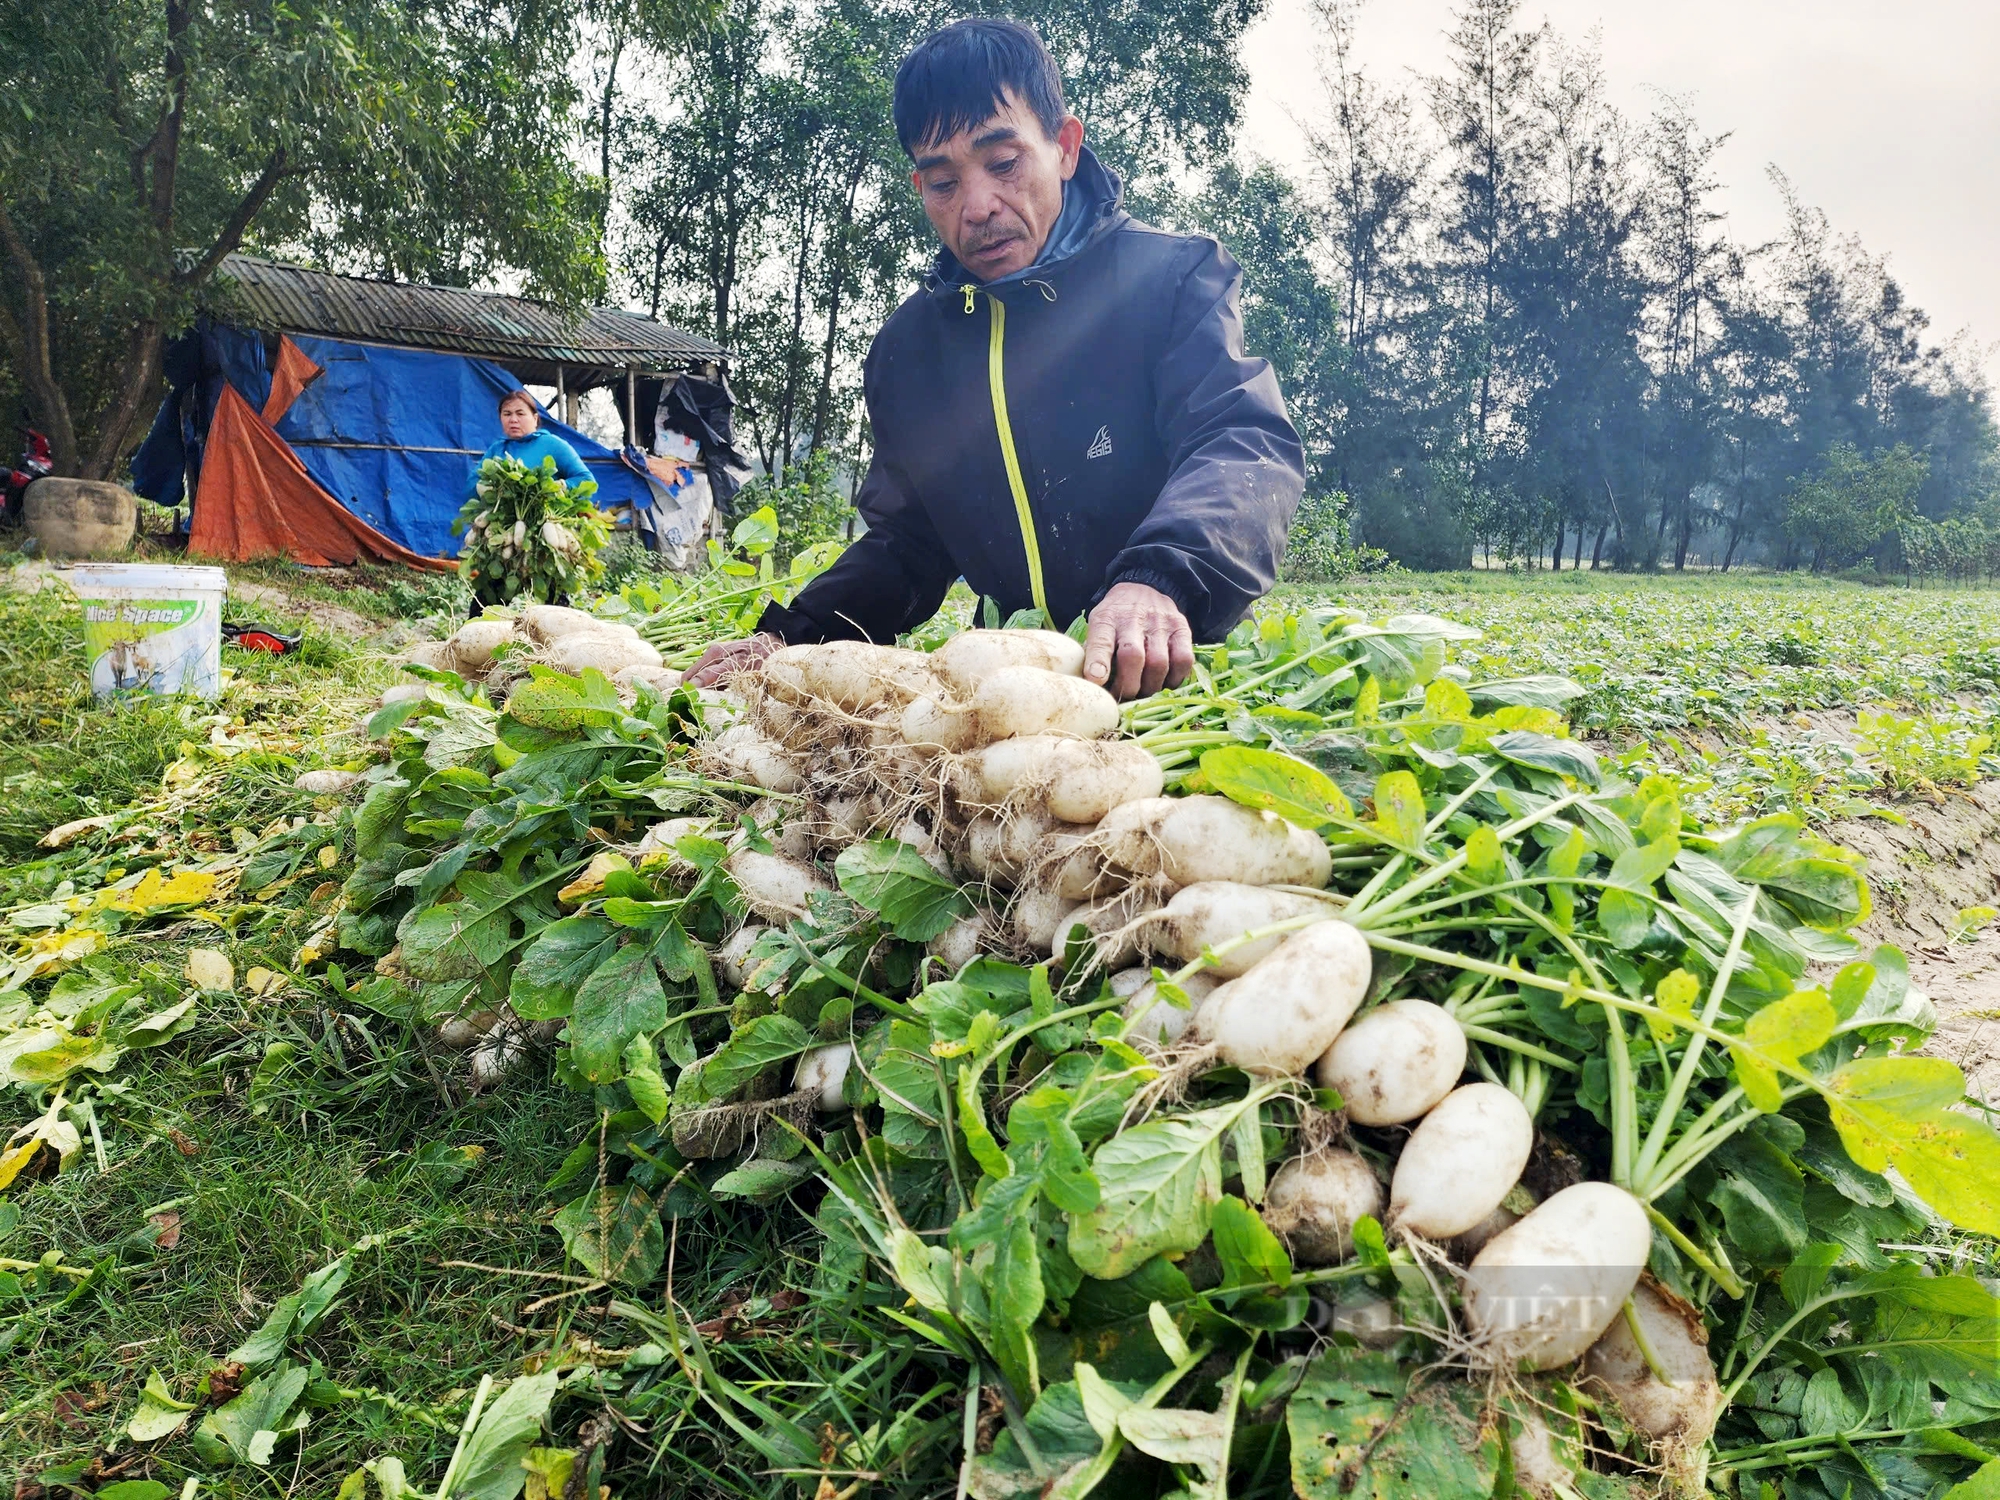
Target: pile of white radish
x: 999, y: 765
x: 991, y: 756
x: 570, y: 640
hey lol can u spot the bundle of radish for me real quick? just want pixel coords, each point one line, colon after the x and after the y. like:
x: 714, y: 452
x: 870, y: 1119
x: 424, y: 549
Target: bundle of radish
x: 527, y: 533
x: 1330, y: 1020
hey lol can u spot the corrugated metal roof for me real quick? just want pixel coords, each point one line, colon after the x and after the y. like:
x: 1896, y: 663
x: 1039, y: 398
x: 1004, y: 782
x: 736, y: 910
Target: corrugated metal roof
x: 280, y: 298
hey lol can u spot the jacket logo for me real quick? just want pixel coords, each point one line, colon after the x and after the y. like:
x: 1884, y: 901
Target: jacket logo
x: 1100, y: 446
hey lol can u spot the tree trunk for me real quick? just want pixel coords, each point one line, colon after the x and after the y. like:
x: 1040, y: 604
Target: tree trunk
x: 604, y: 132
x: 30, y: 342
x: 1556, y: 558
x: 1597, y: 552
x: 788, y: 401
x: 1576, y: 555
x: 836, y: 286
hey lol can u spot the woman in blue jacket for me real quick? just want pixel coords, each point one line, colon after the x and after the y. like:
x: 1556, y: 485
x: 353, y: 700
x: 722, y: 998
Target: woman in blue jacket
x: 526, y: 441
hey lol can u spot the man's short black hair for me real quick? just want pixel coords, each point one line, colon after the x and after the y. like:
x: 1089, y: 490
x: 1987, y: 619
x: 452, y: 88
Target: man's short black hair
x: 958, y: 76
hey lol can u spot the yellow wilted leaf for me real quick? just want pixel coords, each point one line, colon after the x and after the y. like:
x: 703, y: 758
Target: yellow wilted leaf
x: 261, y: 982
x: 1676, y: 996
x: 210, y: 970
x: 13, y: 1159
x: 52, y: 1131
x: 182, y: 888
x: 591, y: 881
x: 329, y: 856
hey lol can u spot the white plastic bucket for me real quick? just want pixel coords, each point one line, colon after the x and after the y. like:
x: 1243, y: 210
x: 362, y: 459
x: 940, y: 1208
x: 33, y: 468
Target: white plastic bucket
x: 151, y: 627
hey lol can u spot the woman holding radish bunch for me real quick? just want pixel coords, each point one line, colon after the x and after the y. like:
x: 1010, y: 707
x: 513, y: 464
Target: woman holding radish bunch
x: 522, y: 438
x: 1063, y: 415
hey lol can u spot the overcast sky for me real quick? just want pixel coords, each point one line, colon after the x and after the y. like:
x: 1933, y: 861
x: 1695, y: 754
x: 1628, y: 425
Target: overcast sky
x: 1886, y: 115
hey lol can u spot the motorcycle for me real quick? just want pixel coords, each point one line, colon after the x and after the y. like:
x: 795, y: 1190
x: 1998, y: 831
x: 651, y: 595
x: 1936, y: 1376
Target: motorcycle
x: 35, y: 462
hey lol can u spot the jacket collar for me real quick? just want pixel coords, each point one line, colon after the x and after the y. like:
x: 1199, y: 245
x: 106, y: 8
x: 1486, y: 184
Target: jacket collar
x: 1093, y: 205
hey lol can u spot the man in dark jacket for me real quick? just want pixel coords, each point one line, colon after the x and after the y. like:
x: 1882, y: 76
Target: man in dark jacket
x: 1064, y: 415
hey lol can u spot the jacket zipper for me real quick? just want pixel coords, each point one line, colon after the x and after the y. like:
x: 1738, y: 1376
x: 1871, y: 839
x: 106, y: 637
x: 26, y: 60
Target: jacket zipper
x: 997, y: 382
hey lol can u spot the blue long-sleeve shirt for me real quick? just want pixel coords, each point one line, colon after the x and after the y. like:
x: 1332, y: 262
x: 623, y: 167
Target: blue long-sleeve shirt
x: 531, y: 450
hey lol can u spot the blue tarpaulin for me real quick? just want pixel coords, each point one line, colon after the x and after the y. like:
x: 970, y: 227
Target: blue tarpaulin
x: 393, y: 434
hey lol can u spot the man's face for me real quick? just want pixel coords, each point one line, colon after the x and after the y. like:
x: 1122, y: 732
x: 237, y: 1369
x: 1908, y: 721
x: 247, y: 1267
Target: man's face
x: 994, y: 192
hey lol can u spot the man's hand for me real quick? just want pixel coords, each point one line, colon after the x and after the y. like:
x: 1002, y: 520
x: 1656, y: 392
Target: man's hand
x: 1144, y: 635
x: 725, y: 658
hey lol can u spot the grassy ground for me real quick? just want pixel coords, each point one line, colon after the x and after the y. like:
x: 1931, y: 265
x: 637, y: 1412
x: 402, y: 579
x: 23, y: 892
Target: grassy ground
x: 232, y: 1167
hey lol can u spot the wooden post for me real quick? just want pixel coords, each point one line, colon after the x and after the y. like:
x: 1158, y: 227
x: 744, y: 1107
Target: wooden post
x: 632, y: 405
x: 562, y: 397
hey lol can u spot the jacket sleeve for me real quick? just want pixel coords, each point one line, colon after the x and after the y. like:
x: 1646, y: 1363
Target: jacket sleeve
x: 569, y: 468
x: 1236, y: 468
x: 891, y: 580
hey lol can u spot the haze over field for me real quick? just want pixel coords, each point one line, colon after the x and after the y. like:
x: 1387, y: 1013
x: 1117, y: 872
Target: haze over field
x: 1884, y: 116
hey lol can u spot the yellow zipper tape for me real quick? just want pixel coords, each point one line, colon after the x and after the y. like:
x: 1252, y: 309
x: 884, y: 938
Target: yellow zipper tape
x: 996, y: 378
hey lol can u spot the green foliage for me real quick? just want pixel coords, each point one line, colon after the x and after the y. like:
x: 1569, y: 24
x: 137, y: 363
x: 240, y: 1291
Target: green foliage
x: 1921, y: 753
x: 1844, y: 512
x: 527, y: 534
x: 810, y: 511
x: 1958, y: 549
x: 1321, y: 547
x: 423, y: 596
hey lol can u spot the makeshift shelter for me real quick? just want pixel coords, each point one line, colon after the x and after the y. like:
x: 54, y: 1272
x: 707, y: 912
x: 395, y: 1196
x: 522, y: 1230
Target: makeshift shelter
x: 329, y: 418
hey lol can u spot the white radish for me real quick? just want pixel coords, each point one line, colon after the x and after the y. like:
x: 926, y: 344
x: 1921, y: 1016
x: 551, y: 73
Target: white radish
x: 545, y: 624
x: 784, y: 722
x: 848, y: 820
x: 934, y: 721
x: 1153, y: 1019
x: 1120, y: 848
x: 963, y: 941
x: 473, y: 644
x: 1115, y: 925
x: 1396, y: 1062
x: 1212, y: 838
x: 1038, y: 915
x: 773, y: 887
x: 971, y: 656
x: 850, y: 676
x: 1683, y: 1408
x: 496, y: 1055
x: 1078, y: 781
x: 662, y: 838
x: 741, y: 753
x: 590, y: 651
x: 1314, y: 1200
x: 733, y: 957
x: 1286, y: 1009
x: 823, y: 1071
x: 1028, y: 700
x: 1542, y: 1293
x: 1460, y: 1161
x: 1001, y: 847
x: 1194, y: 840
x: 921, y: 839
x: 1539, y: 1470
x: 461, y: 1032
x: 1215, y: 912
x: 433, y: 654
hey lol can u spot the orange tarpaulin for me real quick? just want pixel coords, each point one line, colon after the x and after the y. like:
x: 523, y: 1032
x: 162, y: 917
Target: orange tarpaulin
x: 257, y: 500
x: 295, y: 372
